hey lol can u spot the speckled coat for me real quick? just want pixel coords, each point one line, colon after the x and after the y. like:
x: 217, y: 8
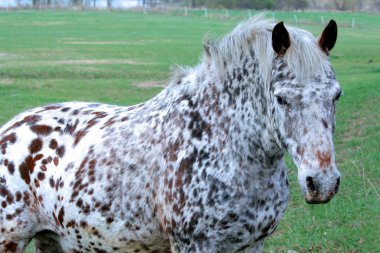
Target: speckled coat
x: 198, y: 168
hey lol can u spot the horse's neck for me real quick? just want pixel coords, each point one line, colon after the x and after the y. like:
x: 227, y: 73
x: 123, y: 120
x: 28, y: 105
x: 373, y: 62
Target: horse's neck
x: 240, y: 106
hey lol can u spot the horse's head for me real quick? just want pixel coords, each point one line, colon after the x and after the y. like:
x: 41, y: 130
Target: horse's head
x: 304, y: 93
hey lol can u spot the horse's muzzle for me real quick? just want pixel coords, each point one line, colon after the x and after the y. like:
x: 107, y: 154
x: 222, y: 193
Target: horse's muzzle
x: 314, y: 196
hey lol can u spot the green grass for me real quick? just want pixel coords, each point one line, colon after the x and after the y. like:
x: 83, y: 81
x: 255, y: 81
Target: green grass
x: 53, y: 56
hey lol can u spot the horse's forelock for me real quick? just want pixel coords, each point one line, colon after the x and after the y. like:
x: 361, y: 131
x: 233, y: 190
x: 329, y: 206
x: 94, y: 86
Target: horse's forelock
x: 304, y: 57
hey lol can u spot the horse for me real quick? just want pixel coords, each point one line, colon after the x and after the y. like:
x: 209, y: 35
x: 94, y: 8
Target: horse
x: 198, y: 168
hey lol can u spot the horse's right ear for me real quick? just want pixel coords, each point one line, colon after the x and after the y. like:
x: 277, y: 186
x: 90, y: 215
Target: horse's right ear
x: 328, y: 37
x: 280, y: 39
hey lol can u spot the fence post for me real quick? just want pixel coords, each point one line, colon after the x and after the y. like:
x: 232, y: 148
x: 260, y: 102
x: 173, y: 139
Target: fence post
x: 249, y: 13
x: 206, y: 14
x: 353, y: 23
x: 185, y: 11
x: 227, y: 13
x: 296, y: 18
x: 322, y: 20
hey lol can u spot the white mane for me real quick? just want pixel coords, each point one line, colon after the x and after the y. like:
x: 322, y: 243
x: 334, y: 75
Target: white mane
x: 304, y: 57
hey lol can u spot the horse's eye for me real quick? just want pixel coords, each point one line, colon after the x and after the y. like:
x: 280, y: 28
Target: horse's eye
x: 337, y: 96
x: 281, y: 100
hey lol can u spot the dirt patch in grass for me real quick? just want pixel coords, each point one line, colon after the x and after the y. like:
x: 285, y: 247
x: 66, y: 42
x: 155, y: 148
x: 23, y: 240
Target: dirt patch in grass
x: 97, y: 62
x: 120, y: 42
x: 38, y: 23
x: 7, y: 55
x: 150, y: 84
x: 6, y: 81
x: 78, y: 62
x: 104, y: 42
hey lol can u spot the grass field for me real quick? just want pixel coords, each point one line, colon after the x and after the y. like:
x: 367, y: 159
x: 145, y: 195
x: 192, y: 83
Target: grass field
x: 120, y: 57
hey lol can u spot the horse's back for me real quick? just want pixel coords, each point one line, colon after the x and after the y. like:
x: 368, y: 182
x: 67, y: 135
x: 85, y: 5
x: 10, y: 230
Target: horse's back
x: 62, y: 171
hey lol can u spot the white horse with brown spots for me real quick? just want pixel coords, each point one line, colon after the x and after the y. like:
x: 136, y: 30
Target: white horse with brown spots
x: 198, y: 168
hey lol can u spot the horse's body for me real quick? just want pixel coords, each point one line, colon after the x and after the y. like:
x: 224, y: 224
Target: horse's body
x: 198, y: 168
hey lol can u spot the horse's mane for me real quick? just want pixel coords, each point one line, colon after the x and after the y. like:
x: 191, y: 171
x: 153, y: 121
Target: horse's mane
x: 303, y: 57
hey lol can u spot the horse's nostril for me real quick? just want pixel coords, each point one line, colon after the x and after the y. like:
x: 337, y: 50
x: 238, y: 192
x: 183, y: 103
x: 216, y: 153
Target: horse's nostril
x: 310, y: 184
x: 337, y: 185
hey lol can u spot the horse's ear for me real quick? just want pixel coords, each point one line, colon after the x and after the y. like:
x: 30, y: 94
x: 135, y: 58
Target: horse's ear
x: 280, y: 39
x: 328, y: 37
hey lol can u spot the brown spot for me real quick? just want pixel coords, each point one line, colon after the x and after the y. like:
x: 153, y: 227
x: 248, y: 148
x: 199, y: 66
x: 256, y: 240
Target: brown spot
x: 36, y: 183
x: 79, y: 203
x: 10, y: 216
x: 71, y: 224
x: 41, y: 176
x: 38, y: 157
x: 56, y: 219
x: 30, y: 163
x: 11, y: 246
x: 26, y: 198
x: 51, y: 182
x: 11, y: 168
x: 324, y: 159
x: 300, y: 151
x: 110, y: 220
x: 41, y: 129
x: 3, y: 191
x: 31, y: 119
x: 70, y: 128
x: 53, y: 144
x: 35, y: 145
x: 110, y: 122
x: 100, y: 114
x: 24, y: 173
x: 18, y: 196
x: 56, y: 161
x: 50, y: 107
x: 10, y: 198
x: 10, y: 137
x: 60, y: 216
x: 79, y: 136
x: 60, y: 151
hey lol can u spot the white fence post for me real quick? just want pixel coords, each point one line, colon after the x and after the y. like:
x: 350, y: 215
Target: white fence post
x: 296, y: 18
x: 322, y: 20
x: 353, y: 23
x: 206, y: 13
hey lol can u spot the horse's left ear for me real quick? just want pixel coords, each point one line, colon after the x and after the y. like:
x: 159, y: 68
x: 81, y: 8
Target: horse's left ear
x: 280, y: 39
x: 328, y: 37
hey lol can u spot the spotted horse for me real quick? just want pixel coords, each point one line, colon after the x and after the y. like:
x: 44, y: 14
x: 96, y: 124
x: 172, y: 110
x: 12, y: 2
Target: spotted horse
x: 198, y: 168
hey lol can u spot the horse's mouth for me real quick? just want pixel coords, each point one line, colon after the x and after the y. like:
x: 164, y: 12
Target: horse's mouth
x: 317, y: 201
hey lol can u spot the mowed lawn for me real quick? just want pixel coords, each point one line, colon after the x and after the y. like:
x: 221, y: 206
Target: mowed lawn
x: 125, y: 57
